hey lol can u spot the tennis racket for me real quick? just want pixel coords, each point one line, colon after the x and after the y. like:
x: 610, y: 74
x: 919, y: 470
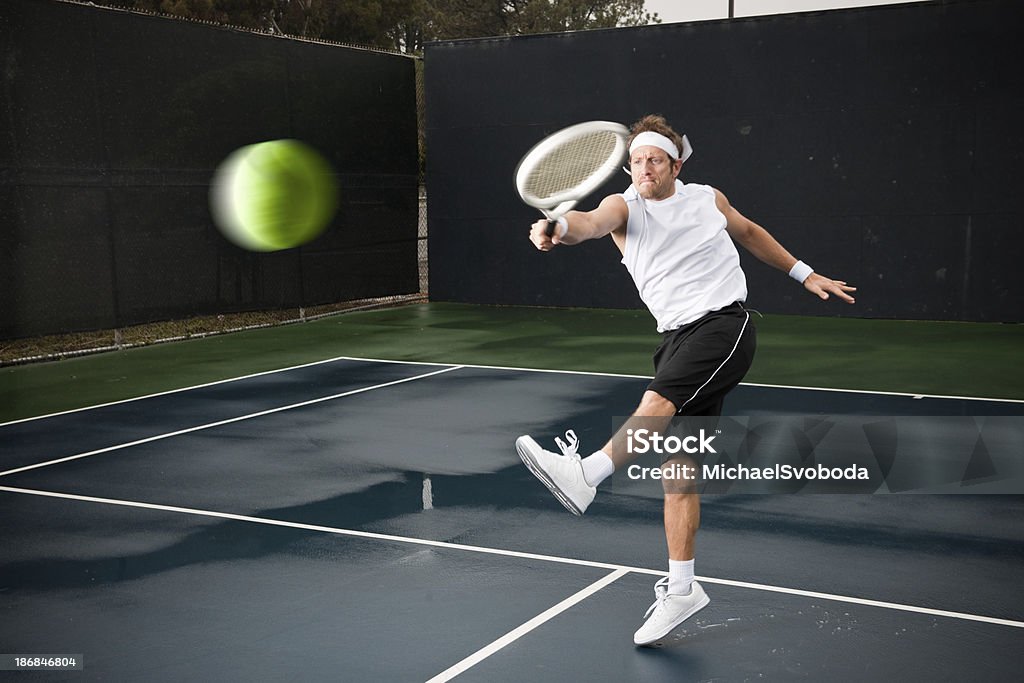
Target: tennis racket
x: 566, y: 166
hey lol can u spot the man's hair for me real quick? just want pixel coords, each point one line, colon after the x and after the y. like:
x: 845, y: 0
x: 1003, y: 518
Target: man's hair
x: 657, y: 124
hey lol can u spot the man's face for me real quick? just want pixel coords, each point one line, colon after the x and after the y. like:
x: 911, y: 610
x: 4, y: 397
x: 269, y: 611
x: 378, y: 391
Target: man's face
x: 654, y: 173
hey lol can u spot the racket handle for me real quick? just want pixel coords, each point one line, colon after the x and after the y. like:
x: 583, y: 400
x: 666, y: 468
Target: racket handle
x: 550, y: 230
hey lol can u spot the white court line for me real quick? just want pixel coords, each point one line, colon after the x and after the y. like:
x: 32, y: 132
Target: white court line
x: 747, y: 384
x: 219, y: 423
x: 308, y: 365
x: 515, y: 634
x: 510, y: 553
x: 181, y: 389
x: 869, y: 603
x: 496, y: 367
x: 883, y: 393
x: 330, y: 530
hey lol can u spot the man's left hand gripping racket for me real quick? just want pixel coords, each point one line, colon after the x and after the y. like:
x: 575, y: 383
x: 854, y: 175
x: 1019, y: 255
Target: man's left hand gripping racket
x: 566, y: 166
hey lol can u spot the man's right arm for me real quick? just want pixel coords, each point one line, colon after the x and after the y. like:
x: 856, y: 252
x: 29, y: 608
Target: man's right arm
x: 610, y: 215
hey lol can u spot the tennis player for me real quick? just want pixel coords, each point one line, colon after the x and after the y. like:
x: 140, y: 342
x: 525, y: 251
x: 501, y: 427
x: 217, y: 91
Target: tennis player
x: 677, y: 242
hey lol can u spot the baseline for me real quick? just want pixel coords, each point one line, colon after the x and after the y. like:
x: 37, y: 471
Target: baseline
x: 498, y: 367
x: 173, y: 391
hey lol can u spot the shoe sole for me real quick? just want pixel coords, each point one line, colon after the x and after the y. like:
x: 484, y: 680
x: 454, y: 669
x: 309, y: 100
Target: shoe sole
x: 523, y: 448
x: 686, y: 615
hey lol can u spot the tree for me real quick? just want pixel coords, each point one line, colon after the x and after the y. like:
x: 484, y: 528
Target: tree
x: 404, y: 24
x: 545, y: 16
x: 452, y: 19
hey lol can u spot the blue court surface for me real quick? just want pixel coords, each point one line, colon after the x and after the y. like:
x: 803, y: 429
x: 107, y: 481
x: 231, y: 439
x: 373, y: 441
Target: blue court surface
x: 365, y: 520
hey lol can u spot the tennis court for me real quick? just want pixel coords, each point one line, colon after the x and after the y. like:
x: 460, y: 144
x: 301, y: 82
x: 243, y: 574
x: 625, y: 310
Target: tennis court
x: 368, y: 519
x: 318, y: 495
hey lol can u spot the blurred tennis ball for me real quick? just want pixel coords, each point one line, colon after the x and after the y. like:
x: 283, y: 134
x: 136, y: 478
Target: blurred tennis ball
x: 273, y: 195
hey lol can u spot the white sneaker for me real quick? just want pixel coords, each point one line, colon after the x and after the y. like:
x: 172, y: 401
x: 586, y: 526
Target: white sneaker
x: 562, y: 474
x: 668, y: 611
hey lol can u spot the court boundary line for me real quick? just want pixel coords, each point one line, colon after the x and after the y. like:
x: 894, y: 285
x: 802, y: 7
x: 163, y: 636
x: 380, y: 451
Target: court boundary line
x: 907, y: 394
x: 221, y: 423
x: 355, y: 533
x: 301, y: 366
x: 515, y: 634
x: 168, y: 392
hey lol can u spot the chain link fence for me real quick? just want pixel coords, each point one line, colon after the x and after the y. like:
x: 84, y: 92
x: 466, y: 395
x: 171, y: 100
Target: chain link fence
x: 206, y: 322
x: 421, y: 112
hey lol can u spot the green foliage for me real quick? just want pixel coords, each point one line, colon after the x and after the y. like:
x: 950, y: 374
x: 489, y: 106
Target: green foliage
x: 403, y: 24
x: 453, y: 19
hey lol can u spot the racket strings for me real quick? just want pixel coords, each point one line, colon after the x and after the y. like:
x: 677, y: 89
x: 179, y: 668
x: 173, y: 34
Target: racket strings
x: 572, y: 163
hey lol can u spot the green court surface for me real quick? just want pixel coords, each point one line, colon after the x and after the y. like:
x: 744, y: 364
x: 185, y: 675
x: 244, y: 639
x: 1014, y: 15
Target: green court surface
x: 942, y: 358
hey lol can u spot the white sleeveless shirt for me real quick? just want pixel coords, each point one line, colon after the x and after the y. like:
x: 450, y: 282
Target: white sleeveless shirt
x: 682, y: 260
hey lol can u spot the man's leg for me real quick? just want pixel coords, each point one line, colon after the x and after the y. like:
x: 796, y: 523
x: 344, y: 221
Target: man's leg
x: 682, y: 519
x: 682, y: 499
x: 678, y: 596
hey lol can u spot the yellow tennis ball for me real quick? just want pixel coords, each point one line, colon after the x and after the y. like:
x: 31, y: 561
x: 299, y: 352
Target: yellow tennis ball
x: 273, y: 195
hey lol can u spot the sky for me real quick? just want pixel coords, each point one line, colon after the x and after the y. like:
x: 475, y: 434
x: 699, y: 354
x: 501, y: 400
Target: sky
x: 696, y: 10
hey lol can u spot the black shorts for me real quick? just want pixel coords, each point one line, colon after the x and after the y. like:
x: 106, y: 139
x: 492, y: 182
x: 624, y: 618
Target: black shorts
x: 697, y: 364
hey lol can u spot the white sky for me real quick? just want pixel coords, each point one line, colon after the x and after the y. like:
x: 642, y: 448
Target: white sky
x: 696, y: 10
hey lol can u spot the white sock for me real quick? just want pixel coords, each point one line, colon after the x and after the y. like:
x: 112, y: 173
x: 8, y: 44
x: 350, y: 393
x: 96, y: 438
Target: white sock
x: 680, y: 576
x: 597, y: 467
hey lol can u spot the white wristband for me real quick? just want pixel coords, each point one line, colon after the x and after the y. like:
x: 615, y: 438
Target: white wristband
x: 563, y: 226
x: 800, y: 271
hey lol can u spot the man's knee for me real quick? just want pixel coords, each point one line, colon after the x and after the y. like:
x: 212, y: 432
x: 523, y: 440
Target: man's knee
x: 654, y: 403
x: 679, y: 475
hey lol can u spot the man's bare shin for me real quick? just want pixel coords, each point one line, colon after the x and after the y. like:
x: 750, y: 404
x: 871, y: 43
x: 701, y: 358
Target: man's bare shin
x: 682, y: 519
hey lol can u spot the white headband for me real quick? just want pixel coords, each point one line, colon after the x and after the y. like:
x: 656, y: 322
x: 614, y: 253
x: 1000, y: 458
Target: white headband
x: 658, y: 140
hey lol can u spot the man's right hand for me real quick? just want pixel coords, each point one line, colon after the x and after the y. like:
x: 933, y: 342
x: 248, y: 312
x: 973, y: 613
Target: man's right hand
x: 539, y: 237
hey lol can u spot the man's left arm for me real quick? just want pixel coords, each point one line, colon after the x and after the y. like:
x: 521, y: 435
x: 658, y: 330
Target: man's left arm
x: 766, y: 248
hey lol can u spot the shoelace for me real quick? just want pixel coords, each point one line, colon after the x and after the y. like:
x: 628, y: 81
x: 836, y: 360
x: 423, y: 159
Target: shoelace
x: 660, y: 593
x: 569, y: 449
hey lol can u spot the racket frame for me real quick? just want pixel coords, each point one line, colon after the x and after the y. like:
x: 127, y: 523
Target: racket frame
x: 557, y: 205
